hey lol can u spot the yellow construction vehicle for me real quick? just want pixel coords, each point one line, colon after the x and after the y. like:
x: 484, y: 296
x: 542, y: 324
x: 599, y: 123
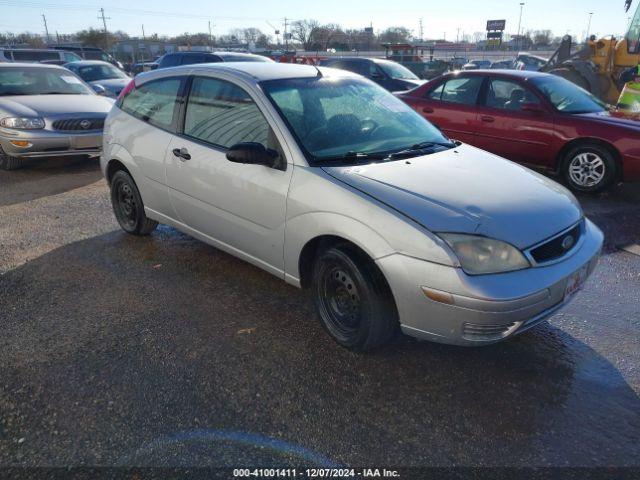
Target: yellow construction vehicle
x: 599, y: 67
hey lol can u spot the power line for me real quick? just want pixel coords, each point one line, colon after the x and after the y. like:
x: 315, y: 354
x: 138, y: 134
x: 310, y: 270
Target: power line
x: 124, y: 11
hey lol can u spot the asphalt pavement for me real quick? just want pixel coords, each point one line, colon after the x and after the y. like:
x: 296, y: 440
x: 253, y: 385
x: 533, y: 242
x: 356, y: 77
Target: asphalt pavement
x: 118, y: 350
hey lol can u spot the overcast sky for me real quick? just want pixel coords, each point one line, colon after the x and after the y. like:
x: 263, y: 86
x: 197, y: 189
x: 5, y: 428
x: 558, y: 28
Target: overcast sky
x: 439, y: 17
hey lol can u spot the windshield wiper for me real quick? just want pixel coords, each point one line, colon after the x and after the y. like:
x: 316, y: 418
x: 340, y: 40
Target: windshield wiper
x: 353, y: 156
x: 419, y: 149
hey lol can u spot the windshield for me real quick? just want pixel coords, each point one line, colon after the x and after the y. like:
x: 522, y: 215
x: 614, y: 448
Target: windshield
x: 93, y: 73
x: 397, y: 71
x: 335, y: 117
x: 566, y: 96
x: 40, y: 81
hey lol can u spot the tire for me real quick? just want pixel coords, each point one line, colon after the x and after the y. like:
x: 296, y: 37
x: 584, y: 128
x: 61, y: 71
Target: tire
x: 7, y: 162
x: 589, y: 168
x: 353, y: 300
x: 128, y: 207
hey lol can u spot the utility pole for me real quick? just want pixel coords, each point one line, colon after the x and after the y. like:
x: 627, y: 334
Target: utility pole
x: 589, y: 25
x: 143, y: 36
x: 519, y: 23
x: 458, y: 36
x: 57, y: 38
x: 46, y: 29
x: 210, y: 36
x: 104, y: 23
x: 286, y: 35
x: 421, y: 30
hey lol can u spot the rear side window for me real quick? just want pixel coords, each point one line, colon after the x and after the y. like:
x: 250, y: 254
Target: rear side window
x: 155, y: 102
x: 192, y: 58
x: 170, y: 61
x: 34, y: 56
x: 458, y: 90
x: 223, y: 114
x: 361, y: 68
x: 71, y: 57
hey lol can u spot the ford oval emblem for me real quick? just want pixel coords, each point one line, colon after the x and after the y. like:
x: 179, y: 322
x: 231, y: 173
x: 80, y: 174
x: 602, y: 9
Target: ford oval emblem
x: 567, y: 242
x: 85, y: 124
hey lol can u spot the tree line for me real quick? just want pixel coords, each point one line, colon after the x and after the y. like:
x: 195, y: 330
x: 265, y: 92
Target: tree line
x: 310, y: 35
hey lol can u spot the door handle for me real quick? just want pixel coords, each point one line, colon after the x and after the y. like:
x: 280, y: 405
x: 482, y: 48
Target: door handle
x: 487, y: 119
x: 427, y: 110
x: 182, y: 153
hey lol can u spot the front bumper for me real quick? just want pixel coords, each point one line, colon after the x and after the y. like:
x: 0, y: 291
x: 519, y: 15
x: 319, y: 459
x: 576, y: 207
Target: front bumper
x: 46, y: 143
x: 484, y: 309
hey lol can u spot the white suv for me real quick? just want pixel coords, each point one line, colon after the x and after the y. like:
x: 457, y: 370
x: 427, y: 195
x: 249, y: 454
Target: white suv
x: 326, y: 180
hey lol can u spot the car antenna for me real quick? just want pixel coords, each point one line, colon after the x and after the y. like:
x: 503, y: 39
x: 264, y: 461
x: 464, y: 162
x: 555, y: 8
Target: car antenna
x: 318, y: 70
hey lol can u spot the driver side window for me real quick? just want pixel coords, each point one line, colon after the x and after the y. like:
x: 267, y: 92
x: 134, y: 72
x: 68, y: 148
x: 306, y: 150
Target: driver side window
x: 223, y: 114
x: 508, y: 95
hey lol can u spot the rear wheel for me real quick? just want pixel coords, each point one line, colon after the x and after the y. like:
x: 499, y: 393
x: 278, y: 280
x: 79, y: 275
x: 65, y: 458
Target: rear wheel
x: 128, y: 207
x: 353, y: 299
x: 7, y: 162
x: 589, y: 168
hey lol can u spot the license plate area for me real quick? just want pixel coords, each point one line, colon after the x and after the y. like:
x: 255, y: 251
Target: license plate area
x: 86, y: 141
x: 575, y: 282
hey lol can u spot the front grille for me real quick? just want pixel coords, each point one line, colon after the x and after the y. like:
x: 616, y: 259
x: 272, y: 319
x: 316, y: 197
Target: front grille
x: 480, y: 332
x: 79, y: 124
x: 557, y: 246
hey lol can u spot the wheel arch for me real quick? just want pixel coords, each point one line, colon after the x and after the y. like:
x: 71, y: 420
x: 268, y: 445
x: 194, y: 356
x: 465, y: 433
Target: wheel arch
x: 312, y: 249
x: 113, y: 166
x: 306, y: 233
x: 617, y: 156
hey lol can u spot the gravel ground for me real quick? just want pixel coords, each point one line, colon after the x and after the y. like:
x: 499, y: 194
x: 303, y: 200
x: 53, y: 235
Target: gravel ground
x: 164, y: 351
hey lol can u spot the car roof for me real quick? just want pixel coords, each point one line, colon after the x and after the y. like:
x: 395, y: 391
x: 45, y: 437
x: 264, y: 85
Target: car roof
x: 522, y: 74
x: 257, y: 71
x: 350, y: 58
x: 361, y: 59
x: 220, y: 54
x: 20, y: 49
x: 240, y: 54
x: 84, y: 63
x: 30, y: 65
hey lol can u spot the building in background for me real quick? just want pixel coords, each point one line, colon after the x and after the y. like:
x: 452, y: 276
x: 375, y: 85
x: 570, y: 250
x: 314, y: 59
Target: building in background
x: 141, y: 50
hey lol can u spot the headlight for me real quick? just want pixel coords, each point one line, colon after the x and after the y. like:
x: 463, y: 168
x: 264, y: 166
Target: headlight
x: 481, y: 255
x: 23, y: 123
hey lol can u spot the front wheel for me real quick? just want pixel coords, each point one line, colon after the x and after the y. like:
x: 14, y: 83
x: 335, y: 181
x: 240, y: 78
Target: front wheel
x: 128, y: 207
x: 353, y: 299
x: 7, y: 162
x: 589, y: 168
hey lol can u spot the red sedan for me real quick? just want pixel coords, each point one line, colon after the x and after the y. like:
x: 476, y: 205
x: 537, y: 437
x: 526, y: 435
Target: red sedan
x: 536, y: 119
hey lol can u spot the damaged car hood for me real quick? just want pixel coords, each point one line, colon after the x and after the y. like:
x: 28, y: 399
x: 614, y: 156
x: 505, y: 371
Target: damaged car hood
x: 468, y: 190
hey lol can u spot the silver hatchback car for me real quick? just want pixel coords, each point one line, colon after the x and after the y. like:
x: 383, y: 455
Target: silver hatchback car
x: 329, y: 182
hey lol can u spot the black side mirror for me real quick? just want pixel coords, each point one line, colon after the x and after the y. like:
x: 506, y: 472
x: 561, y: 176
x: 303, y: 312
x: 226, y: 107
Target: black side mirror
x: 252, y: 153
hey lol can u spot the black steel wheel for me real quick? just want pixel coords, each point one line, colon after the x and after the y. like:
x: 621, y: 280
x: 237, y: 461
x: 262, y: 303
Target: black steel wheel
x: 7, y: 162
x: 353, y: 300
x: 128, y: 207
